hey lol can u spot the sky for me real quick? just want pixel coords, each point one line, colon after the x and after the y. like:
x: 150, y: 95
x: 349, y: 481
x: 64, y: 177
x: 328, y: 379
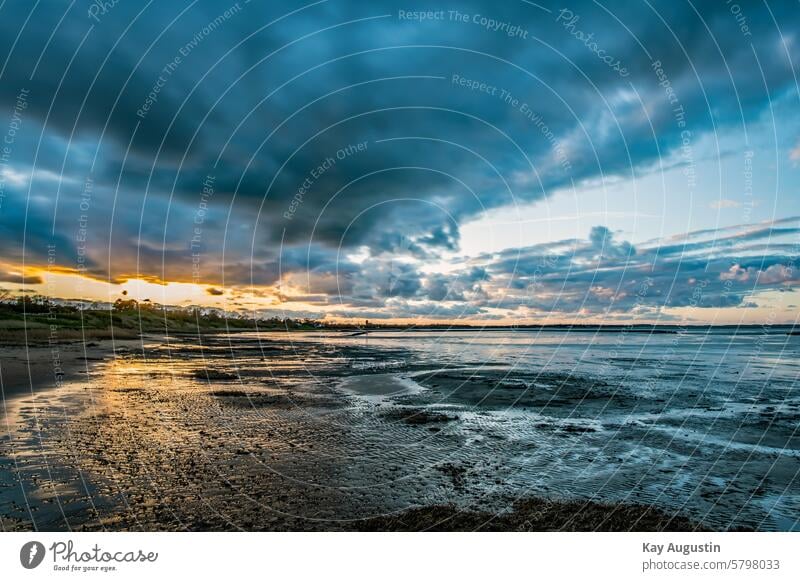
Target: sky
x: 471, y: 161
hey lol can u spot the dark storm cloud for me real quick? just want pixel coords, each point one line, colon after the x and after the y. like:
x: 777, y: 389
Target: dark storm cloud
x: 20, y: 279
x: 343, y: 125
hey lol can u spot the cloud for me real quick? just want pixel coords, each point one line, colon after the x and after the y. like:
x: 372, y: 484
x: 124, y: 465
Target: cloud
x: 602, y: 239
x: 17, y: 278
x: 599, y: 276
x: 172, y: 147
x: 703, y: 274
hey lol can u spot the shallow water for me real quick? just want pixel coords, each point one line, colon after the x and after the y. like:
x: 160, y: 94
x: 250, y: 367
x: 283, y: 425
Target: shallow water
x: 305, y: 431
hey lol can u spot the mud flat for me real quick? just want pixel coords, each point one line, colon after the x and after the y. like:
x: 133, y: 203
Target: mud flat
x: 313, y: 433
x: 28, y: 370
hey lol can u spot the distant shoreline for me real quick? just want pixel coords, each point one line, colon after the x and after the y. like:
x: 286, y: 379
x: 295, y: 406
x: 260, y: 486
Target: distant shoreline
x: 587, y: 328
x: 43, y: 320
x: 36, y: 336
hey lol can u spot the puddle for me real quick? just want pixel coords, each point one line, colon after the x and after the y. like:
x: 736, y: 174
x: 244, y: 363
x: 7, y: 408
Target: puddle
x: 377, y: 387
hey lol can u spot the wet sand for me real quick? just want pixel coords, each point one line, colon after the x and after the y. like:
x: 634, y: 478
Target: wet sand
x: 247, y: 434
x: 29, y: 370
x: 535, y: 515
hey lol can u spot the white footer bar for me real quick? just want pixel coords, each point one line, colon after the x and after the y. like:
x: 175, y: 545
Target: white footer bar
x: 401, y: 556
